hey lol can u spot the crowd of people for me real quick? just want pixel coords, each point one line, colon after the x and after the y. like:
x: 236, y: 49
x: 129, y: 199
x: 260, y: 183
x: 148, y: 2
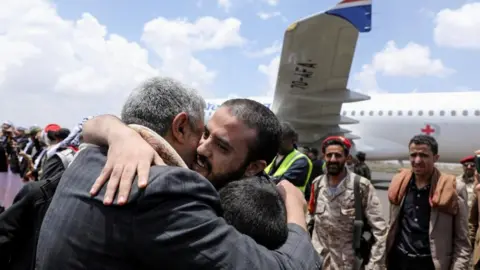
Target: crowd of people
x: 160, y: 188
x: 34, y: 152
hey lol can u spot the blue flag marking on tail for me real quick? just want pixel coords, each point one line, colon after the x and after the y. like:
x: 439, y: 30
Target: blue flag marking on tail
x: 357, y: 12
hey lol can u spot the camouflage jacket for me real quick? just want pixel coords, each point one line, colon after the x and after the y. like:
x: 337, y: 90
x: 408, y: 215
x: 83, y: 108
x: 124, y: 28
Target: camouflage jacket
x: 470, y: 187
x: 334, y: 216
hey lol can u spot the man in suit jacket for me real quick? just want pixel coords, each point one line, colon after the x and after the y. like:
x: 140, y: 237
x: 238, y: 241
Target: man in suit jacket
x: 174, y: 222
x: 428, y: 214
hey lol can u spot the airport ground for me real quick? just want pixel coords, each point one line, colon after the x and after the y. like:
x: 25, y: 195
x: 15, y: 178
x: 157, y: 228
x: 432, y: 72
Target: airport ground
x: 382, y: 174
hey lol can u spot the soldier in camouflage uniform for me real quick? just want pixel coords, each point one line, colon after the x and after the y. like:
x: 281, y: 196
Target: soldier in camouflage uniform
x: 332, y: 209
x: 361, y: 168
x: 468, y: 176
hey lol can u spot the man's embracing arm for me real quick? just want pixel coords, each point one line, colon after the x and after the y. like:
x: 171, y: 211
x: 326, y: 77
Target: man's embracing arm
x: 102, y: 129
x: 128, y: 155
x: 179, y: 228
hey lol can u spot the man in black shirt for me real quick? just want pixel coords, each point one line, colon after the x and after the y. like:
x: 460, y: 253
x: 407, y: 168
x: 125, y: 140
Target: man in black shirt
x: 428, y: 214
x: 413, y: 238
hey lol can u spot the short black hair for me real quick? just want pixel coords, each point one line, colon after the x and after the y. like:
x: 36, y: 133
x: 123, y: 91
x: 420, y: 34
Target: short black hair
x: 425, y: 140
x: 314, y: 151
x: 52, y: 135
x: 361, y: 156
x: 255, y: 207
x: 288, y: 131
x: 62, y: 134
x: 257, y: 116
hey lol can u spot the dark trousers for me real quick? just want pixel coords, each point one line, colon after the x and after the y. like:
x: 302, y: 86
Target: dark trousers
x: 398, y: 260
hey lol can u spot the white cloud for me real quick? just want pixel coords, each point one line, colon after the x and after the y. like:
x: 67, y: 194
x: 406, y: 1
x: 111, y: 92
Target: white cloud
x: 459, y: 28
x: 225, y: 4
x: 271, y: 70
x: 62, y: 70
x: 366, y: 80
x: 276, y: 47
x: 176, y: 41
x: 267, y: 15
x: 413, y: 60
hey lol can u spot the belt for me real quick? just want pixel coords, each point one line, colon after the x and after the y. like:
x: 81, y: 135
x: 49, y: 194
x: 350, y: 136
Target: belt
x: 413, y: 256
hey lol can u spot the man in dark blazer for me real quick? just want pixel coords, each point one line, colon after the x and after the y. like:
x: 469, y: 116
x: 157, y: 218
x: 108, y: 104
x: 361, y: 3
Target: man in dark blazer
x: 173, y: 223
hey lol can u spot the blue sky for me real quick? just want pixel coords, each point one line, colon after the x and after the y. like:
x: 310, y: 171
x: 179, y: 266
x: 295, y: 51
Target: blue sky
x: 85, y: 56
x: 400, y: 21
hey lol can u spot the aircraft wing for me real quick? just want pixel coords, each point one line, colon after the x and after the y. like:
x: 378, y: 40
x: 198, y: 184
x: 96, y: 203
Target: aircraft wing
x: 314, y: 68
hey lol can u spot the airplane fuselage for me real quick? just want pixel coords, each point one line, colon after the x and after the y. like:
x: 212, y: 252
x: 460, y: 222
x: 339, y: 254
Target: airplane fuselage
x: 387, y: 122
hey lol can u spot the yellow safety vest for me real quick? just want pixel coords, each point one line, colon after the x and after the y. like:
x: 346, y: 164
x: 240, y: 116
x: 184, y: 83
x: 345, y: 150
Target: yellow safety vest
x: 287, y: 162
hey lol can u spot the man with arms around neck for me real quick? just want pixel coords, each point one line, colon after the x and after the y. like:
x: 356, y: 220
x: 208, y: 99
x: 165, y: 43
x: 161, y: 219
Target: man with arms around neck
x: 174, y: 220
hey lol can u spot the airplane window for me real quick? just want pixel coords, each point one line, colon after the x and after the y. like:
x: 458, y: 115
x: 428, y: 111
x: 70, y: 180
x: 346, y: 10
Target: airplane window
x: 361, y: 113
x: 420, y: 113
x: 371, y: 113
x: 465, y: 113
x: 430, y: 113
x: 390, y: 113
x: 353, y: 113
x: 344, y: 113
x: 410, y: 113
x: 477, y: 112
x: 442, y: 113
x: 380, y: 113
x: 399, y: 113
x: 453, y: 113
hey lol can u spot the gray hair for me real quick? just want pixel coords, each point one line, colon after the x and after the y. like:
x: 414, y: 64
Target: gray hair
x: 158, y: 100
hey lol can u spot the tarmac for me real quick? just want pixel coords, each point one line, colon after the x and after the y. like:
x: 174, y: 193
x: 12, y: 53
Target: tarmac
x: 381, y: 181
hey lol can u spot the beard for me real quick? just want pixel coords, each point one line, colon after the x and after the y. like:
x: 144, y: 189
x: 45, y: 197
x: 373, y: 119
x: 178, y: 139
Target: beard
x: 335, y: 168
x: 219, y: 180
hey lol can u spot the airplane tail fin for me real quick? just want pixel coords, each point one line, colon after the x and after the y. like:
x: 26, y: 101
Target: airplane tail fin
x: 357, y: 12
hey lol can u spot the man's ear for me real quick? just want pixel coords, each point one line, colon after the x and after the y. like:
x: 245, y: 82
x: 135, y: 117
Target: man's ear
x: 180, y: 127
x: 435, y: 158
x: 255, y: 167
